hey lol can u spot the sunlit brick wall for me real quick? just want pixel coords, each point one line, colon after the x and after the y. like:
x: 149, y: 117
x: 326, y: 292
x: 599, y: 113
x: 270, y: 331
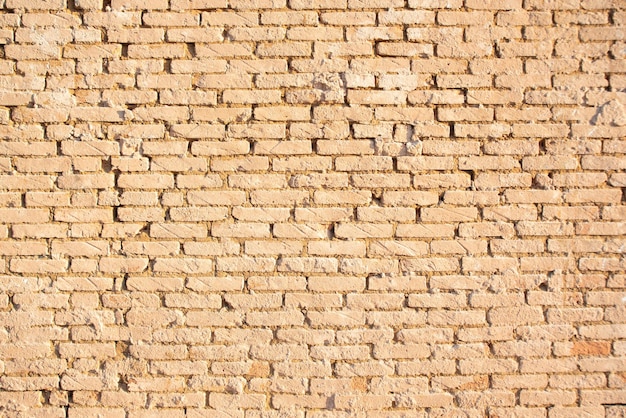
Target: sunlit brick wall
x: 313, y: 208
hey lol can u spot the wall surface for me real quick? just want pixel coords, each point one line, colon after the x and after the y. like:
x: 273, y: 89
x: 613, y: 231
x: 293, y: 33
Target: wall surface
x: 313, y: 208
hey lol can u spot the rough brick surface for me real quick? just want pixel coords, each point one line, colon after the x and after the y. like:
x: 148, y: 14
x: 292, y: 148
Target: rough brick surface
x: 313, y: 208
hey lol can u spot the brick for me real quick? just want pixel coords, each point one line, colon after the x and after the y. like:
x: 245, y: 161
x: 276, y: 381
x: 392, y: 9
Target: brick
x: 122, y: 265
x: 84, y: 215
x: 498, y: 316
x: 533, y: 196
x: 220, y: 148
x: 487, y: 163
x: 197, y: 131
x: 37, y: 266
x: 425, y: 367
x: 424, y: 230
x: 450, y: 148
x: 261, y: 214
x: 17, y: 215
x: 177, y: 230
x: 322, y: 214
x: 376, y: 97
x: 510, y: 213
x: 155, y: 35
x: 409, y: 198
x: 183, y: 265
x: 309, y: 230
x: 448, y: 214
x: 240, y: 230
x: 145, y: 181
x: 280, y: 198
x: 482, y: 198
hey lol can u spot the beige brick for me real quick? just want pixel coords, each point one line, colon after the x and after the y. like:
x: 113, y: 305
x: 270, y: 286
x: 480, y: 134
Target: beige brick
x: 122, y: 265
x: 279, y: 198
x: 178, y: 230
x: 373, y: 33
x: 481, y: 198
x: 425, y: 163
x: 336, y: 248
x: 183, y: 265
x: 308, y: 264
x: 519, y: 315
x: 345, y: 230
x: 261, y: 214
x: 451, y: 214
x: 258, y: 264
x: 489, y: 264
x: 277, y: 283
x: 211, y: 248
x: 391, y: 198
x: 374, y: 181
x: 429, y: 264
x: 435, y: 181
x: 458, y: 247
x: 361, y: 266
x: 308, y: 230
x: 160, y: 284
x: 376, y: 214
x: 220, y: 148
x: 257, y: 181
x: 424, y: 230
x: 304, y: 300
x: 425, y: 367
x: 197, y: 131
x: 84, y: 215
x: 376, y: 97
x: 85, y: 181
x: 282, y: 147
x: 323, y: 214
x: 23, y: 265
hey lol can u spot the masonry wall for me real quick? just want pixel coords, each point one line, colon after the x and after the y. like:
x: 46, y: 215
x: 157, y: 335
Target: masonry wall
x: 313, y: 208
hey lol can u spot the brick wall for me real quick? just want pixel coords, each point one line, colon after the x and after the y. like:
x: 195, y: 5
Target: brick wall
x: 313, y: 208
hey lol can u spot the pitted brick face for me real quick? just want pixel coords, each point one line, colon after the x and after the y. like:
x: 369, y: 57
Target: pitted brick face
x: 313, y: 208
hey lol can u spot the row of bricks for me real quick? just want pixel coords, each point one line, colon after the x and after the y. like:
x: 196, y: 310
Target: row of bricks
x: 504, y: 308
x: 485, y: 194
x: 313, y: 385
x: 299, y: 128
x: 510, y: 49
x: 286, y: 198
x: 401, y: 74
x: 116, y: 71
x: 473, y: 404
x: 378, y: 166
x: 250, y: 31
x: 563, y: 324
x: 196, y: 105
x: 314, y: 265
x: 245, y: 5
x: 291, y: 282
x: 324, y: 295
x: 612, y: 411
x: 343, y: 120
x: 315, y: 164
x: 470, y: 363
x: 344, y: 230
x: 289, y: 247
x: 327, y: 135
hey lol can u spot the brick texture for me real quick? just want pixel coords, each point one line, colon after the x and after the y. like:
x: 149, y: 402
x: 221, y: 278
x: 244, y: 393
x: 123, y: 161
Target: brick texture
x: 312, y: 208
